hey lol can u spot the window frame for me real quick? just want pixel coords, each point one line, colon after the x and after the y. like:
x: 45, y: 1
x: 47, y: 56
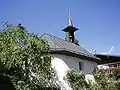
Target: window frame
x: 81, y: 66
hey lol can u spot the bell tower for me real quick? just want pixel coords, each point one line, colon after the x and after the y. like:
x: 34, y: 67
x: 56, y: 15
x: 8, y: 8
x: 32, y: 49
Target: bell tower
x: 70, y: 29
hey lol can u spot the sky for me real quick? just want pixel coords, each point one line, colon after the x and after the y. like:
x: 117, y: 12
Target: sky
x: 98, y: 20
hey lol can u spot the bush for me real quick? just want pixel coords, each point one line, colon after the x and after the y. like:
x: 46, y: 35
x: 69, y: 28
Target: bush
x: 76, y: 79
x: 103, y: 81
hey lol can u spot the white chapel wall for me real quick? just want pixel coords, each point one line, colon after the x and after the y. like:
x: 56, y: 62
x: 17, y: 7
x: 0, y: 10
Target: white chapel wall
x: 63, y: 63
x: 66, y: 62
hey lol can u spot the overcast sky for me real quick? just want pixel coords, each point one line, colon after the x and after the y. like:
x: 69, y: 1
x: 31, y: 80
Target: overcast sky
x: 98, y: 20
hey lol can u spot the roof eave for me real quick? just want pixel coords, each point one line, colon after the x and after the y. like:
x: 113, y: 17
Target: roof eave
x: 74, y: 55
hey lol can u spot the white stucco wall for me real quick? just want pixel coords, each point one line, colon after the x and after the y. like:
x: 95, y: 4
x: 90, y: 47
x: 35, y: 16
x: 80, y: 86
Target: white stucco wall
x: 63, y: 63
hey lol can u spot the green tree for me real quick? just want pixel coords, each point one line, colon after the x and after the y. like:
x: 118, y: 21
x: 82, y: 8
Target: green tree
x: 24, y: 60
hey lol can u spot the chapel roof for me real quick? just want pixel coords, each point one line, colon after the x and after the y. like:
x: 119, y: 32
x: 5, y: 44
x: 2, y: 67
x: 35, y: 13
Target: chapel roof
x: 61, y: 46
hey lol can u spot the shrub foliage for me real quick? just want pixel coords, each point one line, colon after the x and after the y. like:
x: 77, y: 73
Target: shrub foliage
x: 104, y: 80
